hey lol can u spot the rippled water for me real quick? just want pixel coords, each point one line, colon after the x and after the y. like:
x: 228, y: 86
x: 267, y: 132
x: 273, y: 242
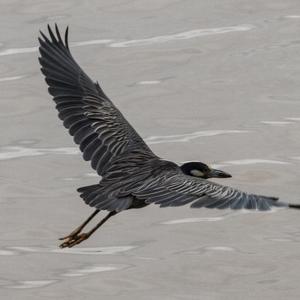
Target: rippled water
x: 143, y: 42
x: 215, y: 83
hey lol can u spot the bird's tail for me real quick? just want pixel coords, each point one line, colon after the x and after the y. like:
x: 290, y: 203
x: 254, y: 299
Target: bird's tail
x: 88, y: 192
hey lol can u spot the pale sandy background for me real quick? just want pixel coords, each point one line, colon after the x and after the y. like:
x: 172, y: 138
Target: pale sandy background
x: 216, y: 81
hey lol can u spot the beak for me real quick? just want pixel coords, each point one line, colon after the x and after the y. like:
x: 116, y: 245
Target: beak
x: 218, y: 174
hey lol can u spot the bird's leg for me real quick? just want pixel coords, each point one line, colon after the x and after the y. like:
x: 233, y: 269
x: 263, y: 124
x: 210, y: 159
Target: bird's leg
x: 78, y: 238
x: 76, y: 231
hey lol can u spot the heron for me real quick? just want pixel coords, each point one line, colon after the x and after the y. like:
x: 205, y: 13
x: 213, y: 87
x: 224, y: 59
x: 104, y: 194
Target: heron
x: 131, y: 175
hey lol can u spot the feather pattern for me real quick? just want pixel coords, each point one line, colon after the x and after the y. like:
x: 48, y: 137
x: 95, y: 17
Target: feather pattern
x: 95, y: 123
x: 175, y: 189
x: 132, y: 175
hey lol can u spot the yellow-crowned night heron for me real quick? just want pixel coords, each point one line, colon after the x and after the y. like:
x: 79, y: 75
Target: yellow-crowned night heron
x: 132, y: 175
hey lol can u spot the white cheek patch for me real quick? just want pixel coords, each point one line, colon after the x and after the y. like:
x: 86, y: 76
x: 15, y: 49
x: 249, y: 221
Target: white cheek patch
x: 197, y: 173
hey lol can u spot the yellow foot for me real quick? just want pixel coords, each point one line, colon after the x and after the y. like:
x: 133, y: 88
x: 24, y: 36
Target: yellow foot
x: 73, y: 240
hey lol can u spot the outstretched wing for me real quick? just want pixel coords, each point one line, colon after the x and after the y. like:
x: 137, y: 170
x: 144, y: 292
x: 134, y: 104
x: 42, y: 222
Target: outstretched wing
x: 173, y: 188
x: 92, y: 119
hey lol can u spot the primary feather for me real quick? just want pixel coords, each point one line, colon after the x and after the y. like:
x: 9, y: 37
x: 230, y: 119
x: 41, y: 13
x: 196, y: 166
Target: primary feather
x: 92, y: 119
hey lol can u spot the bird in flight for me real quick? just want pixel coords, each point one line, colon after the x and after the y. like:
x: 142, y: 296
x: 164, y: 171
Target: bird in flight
x: 132, y: 176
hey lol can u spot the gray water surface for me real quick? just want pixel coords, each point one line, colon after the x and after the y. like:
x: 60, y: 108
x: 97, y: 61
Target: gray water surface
x: 216, y: 81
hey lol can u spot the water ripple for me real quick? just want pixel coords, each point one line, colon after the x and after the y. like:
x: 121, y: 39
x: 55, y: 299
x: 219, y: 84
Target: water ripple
x: 188, y: 136
x: 143, y: 42
x: 220, y: 248
x: 193, y: 220
x: 17, y: 250
x: 230, y: 214
x: 62, y: 275
x: 149, y: 82
x: 91, y: 42
x: 84, y: 271
x: 29, y: 284
x: 292, y: 16
x: 76, y: 272
x: 10, y: 152
x: 13, y: 51
x: 7, y: 252
x: 252, y: 161
x: 279, y: 123
x: 293, y: 118
x: 95, y: 250
x: 11, y: 78
x: 182, y: 36
x: 211, y: 250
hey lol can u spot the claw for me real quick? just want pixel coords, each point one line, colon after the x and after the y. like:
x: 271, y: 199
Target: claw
x: 74, y: 240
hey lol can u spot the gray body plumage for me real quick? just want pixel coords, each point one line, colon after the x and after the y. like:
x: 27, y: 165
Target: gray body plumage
x: 132, y: 175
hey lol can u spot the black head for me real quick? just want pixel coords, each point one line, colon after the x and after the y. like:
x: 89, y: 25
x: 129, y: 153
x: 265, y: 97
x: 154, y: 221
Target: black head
x: 199, y: 169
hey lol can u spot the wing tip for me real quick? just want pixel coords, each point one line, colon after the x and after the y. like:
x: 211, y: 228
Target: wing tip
x: 55, y: 37
x: 295, y: 206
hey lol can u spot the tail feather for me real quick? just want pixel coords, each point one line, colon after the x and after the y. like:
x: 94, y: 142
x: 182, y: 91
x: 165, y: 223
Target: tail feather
x: 94, y: 196
x: 88, y: 188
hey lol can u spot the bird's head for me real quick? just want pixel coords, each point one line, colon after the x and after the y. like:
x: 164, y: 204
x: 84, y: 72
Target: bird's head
x: 199, y: 169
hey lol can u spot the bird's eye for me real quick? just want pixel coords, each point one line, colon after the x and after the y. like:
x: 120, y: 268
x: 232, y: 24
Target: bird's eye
x: 196, y: 173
